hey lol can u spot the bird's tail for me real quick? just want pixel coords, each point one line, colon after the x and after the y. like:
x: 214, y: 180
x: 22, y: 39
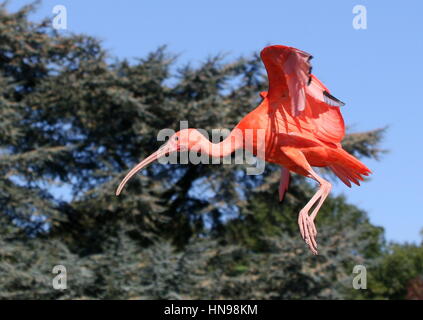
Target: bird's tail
x: 349, y: 169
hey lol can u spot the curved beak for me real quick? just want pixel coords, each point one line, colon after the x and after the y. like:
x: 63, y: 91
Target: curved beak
x: 163, y: 150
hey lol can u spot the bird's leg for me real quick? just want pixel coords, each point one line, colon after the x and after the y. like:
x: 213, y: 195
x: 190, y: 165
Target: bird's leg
x: 305, y: 221
x: 326, y: 187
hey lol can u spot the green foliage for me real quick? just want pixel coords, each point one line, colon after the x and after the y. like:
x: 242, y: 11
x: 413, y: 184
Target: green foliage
x: 395, y: 271
x: 70, y: 118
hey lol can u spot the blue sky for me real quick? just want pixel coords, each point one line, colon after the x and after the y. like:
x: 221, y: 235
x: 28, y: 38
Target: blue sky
x: 378, y: 72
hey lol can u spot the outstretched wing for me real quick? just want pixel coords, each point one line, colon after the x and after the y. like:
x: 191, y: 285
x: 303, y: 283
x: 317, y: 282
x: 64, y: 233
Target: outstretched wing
x: 323, y: 113
x: 310, y: 102
x: 289, y: 72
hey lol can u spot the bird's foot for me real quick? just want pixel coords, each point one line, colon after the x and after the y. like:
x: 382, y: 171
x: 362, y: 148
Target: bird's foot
x: 308, y: 231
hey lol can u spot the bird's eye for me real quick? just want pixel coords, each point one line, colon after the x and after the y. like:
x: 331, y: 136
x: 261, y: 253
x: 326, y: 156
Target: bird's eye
x: 176, y: 138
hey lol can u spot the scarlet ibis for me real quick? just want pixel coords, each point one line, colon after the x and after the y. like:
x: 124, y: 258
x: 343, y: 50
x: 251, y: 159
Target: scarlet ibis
x: 303, y: 129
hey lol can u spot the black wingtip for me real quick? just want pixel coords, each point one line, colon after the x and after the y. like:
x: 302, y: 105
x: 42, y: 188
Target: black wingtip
x: 331, y: 100
x: 310, y: 69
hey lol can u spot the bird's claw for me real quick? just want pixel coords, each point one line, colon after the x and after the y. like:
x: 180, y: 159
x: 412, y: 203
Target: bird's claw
x: 308, y: 231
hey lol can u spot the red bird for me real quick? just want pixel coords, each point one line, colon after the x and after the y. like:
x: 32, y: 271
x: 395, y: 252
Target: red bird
x: 303, y: 129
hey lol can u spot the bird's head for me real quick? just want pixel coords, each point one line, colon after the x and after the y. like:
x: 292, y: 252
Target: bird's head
x: 183, y: 140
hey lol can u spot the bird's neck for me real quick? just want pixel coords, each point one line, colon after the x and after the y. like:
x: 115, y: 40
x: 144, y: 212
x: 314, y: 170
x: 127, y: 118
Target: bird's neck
x: 231, y: 143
